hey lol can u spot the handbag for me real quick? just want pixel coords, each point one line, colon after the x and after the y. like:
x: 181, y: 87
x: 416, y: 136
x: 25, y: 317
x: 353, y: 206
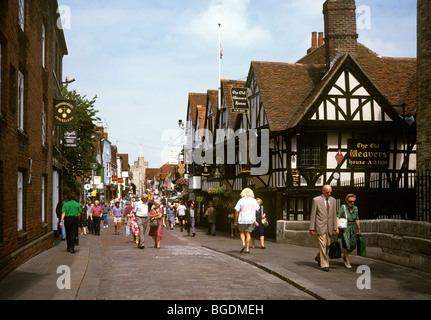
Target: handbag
x: 154, y: 223
x: 360, y: 246
x: 335, y: 250
x: 342, y: 223
x: 265, y: 222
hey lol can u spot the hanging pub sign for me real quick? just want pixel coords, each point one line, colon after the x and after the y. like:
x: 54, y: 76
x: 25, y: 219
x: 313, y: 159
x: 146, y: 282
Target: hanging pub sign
x: 368, y: 153
x: 70, y: 138
x: 240, y: 100
x: 65, y: 112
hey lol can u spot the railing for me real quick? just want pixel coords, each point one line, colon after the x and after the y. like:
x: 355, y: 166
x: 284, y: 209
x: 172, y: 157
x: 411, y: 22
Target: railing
x: 423, y: 195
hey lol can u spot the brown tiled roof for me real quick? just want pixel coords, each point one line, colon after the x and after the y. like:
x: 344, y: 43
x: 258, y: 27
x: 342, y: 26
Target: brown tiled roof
x: 284, y: 87
x: 394, y: 77
x: 201, y: 115
x: 289, y: 89
x: 213, y: 98
x: 195, y: 100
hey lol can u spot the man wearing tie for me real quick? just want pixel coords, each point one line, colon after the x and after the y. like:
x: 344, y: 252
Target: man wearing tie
x: 323, y: 222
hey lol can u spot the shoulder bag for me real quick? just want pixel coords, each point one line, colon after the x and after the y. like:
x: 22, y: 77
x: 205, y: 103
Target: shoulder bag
x: 342, y: 223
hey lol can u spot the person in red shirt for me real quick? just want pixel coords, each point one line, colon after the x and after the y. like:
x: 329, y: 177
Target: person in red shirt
x: 96, y: 214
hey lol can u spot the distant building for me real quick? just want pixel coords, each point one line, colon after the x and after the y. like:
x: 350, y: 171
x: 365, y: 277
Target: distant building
x: 138, y: 176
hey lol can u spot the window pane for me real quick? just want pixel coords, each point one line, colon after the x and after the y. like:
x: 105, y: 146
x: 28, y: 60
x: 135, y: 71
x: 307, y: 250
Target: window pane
x: 305, y: 156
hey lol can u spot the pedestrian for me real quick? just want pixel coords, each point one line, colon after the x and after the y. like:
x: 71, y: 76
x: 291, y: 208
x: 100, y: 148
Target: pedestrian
x: 71, y: 212
x: 96, y: 216
x: 259, y: 231
x: 157, y: 232
x: 90, y: 221
x: 323, y: 222
x: 181, y: 213
x: 127, y: 210
x: 118, y: 212
x: 142, y: 215
x: 106, y: 211
x: 245, y: 217
x: 233, y: 227
x: 132, y: 223
x: 171, y: 216
x: 83, y: 222
x: 190, y: 218
x: 347, y: 237
x: 59, y: 213
x: 210, y: 215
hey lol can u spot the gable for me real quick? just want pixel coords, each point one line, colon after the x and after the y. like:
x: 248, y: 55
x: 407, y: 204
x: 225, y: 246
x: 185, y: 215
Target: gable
x: 349, y: 100
x: 351, y: 96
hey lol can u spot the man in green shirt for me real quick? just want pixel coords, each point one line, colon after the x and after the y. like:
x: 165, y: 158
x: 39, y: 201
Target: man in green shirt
x: 71, y: 212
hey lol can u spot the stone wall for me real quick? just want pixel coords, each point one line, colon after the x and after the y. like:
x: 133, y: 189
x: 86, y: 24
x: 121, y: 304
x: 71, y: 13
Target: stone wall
x: 406, y: 243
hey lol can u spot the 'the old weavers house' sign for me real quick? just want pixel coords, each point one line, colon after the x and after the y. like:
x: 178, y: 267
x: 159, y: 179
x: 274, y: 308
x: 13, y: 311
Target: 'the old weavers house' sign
x: 364, y: 153
x: 240, y: 100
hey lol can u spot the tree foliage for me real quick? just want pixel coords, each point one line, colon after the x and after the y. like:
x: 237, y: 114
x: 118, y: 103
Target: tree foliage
x: 76, y: 161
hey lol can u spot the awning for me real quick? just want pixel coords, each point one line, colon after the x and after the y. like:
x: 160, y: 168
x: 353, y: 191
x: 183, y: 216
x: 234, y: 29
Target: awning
x: 179, y: 196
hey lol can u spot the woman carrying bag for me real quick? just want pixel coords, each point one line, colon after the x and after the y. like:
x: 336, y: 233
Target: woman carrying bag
x: 348, y: 236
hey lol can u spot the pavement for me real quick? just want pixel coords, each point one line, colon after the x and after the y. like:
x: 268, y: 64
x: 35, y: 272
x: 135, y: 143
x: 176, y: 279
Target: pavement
x: 204, y: 267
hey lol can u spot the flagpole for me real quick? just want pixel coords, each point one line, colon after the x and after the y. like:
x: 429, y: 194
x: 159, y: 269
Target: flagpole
x: 219, y: 66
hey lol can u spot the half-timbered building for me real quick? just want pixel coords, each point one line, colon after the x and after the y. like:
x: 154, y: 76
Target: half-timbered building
x: 342, y: 116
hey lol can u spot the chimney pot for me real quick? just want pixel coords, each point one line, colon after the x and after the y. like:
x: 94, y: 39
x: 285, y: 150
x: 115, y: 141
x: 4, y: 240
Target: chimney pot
x: 321, y: 42
x: 314, y: 39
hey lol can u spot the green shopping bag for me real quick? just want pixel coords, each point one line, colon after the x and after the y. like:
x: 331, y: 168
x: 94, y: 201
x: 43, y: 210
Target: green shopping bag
x: 360, y: 246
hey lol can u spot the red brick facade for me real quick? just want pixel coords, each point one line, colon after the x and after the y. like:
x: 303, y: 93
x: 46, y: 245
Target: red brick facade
x: 424, y: 85
x: 23, y: 150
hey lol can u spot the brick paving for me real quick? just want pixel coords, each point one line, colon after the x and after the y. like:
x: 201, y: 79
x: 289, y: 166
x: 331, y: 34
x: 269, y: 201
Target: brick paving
x: 111, y: 267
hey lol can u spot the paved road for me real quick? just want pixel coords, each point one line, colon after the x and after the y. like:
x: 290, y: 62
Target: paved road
x: 204, y: 268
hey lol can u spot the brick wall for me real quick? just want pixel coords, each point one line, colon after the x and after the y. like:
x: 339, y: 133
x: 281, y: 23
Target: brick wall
x: 22, y: 51
x: 424, y: 85
x: 340, y: 28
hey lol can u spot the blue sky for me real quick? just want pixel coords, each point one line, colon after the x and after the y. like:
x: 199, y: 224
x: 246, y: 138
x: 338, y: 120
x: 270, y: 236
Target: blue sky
x: 143, y: 57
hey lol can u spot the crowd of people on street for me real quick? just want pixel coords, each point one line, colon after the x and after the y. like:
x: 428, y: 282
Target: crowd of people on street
x: 137, y: 214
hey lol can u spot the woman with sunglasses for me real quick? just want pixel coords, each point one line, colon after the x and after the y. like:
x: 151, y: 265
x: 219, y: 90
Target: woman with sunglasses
x: 347, y: 237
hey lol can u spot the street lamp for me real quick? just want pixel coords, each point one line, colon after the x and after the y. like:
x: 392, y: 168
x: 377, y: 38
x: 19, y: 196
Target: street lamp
x: 181, y: 124
x: 69, y: 80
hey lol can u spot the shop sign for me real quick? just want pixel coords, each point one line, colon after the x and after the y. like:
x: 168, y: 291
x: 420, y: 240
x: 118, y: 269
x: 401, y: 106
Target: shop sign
x: 367, y: 153
x: 70, y: 138
x: 240, y: 100
x: 65, y: 112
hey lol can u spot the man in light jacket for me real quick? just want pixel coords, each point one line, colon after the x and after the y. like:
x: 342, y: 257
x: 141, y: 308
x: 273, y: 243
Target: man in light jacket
x: 323, y: 222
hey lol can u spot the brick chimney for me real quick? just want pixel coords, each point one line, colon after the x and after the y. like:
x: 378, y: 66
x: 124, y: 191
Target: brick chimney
x: 316, y: 41
x: 340, y: 28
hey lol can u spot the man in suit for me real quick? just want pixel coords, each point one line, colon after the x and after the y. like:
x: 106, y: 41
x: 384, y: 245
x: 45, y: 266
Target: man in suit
x: 323, y: 222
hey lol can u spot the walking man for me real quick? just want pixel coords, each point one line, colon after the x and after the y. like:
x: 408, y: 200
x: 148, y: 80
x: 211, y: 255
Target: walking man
x: 142, y: 215
x: 118, y: 214
x: 323, y: 222
x: 96, y: 216
x: 190, y: 217
x: 69, y: 218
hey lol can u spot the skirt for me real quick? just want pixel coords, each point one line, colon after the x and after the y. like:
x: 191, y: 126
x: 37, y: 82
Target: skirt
x: 157, y: 232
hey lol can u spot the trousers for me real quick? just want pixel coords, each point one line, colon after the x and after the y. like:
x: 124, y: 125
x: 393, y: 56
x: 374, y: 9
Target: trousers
x: 71, y: 226
x: 324, y: 243
x: 142, y: 224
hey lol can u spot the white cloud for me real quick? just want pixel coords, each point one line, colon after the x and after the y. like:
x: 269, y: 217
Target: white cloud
x: 238, y: 30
